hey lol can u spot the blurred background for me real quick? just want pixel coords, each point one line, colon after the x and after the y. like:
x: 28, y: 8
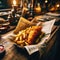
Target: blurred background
x: 49, y: 5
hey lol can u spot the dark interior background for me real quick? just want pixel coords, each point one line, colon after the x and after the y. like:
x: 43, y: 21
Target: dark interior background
x: 4, y: 4
x: 8, y: 3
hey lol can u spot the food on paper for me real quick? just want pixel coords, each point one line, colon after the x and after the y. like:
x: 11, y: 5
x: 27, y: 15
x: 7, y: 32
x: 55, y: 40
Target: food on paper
x: 29, y: 36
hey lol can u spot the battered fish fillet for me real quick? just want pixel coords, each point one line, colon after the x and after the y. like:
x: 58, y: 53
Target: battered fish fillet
x: 33, y: 34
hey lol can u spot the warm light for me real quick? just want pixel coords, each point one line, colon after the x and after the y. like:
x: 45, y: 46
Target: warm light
x: 46, y: 1
x: 52, y: 9
x: 57, y: 5
x: 14, y: 2
x: 38, y: 9
x: 38, y: 4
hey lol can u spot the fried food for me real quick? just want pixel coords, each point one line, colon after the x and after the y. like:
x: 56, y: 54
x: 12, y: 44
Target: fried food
x: 36, y: 30
x: 28, y: 36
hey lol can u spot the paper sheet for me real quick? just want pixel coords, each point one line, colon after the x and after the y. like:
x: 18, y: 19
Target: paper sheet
x: 47, y: 27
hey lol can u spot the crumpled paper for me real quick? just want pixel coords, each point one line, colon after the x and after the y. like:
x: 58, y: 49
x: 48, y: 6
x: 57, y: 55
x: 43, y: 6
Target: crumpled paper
x: 47, y: 27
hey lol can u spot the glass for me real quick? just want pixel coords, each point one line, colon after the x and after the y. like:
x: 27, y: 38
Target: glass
x: 37, y: 8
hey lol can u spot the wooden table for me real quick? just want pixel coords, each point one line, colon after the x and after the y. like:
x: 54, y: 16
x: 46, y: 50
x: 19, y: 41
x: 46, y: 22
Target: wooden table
x: 13, y: 53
